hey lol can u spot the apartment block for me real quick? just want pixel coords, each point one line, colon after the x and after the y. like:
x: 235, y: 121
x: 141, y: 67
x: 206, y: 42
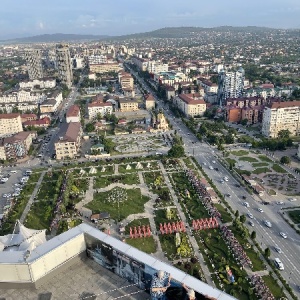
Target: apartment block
x: 99, y: 107
x: 127, y: 104
x: 68, y: 143
x: 64, y: 64
x: 191, y: 104
x: 150, y: 101
x: 41, y: 123
x: 44, y: 83
x: 73, y: 114
x: 105, y: 68
x: 33, y: 59
x: 279, y: 116
x: 231, y: 84
x: 10, y: 124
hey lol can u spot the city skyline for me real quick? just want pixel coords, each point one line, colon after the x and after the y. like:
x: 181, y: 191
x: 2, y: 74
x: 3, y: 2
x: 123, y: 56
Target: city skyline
x: 21, y: 19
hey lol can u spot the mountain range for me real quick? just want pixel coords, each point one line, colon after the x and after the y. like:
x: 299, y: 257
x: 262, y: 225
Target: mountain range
x: 167, y: 32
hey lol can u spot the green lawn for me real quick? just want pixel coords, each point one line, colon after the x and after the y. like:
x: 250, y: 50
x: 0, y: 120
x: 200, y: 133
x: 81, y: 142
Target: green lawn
x: 47, y: 190
x: 261, y: 170
x: 168, y: 246
x: 146, y: 244
x: 240, y: 152
x: 260, y: 164
x: 40, y: 215
x: 231, y: 161
x: 103, y: 181
x: 160, y: 217
x: 34, y: 177
x: 264, y: 158
x: 133, y: 205
x: 272, y: 192
x: 278, y: 168
x: 248, y: 158
x: 295, y: 216
x: 225, y: 214
x: 273, y: 286
x: 150, y: 177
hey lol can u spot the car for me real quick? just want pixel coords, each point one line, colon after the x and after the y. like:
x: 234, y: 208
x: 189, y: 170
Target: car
x: 251, y: 223
x: 228, y: 195
x: 13, y: 171
x: 250, y: 215
x: 260, y: 210
x: 244, y: 197
x: 268, y: 223
x: 222, y: 181
x: 16, y: 194
x: 277, y: 249
x: 246, y: 204
x: 211, y: 167
x: 204, y: 164
x: 237, y: 185
x: 283, y: 235
x: 213, y: 161
x: 216, y: 169
x: 279, y: 202
x: 226, y: 178
x: 293, y: 199
x: 4, y: 179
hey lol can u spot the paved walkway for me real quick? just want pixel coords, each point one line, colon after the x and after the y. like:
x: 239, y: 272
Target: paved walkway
x: 31, y: 199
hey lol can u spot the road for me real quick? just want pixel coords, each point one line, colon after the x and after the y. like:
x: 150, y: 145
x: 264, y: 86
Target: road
x: 266, y: 237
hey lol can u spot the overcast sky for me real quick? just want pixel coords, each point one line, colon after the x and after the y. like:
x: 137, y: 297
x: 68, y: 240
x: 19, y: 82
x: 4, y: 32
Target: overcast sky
x: 19, y: 18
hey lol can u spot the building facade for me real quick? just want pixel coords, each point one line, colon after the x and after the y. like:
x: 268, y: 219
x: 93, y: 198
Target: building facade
x: 10, y: 124
x: 279, y: 116
x: 99, y: 108
x: 33, y: 59
x: 64, y: 64
x: 105, y: 68
x: 73, y: 114
x: 127, y: 104
x: 231, y: 84
x: 68, y: 143
x: 191, y: 104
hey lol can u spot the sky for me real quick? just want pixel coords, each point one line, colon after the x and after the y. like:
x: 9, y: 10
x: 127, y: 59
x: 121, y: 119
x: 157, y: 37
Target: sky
x: 22, y: 18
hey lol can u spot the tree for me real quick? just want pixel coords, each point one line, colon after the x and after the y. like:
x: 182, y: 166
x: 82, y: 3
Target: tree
x: 176, y: 151
x: 253, y: 235
x: 243, y: 218
x: 237, y: 214
x: 90, y: 127
x: 267, y: 252
x: 284, y: 134
x: 285, y: 160
x: 244, y: 122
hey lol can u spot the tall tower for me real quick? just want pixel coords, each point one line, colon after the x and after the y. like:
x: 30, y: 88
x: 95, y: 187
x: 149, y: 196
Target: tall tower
x: 33, y: 59
x: 231, y: 85
x: 64, y: 64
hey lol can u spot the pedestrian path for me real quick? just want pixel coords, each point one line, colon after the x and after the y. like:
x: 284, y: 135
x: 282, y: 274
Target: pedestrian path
x: 31, y: 199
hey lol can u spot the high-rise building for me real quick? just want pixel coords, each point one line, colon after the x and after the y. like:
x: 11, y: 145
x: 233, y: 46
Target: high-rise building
x: 33, y: 58
x: 64, y: 64
x: 231, y: 84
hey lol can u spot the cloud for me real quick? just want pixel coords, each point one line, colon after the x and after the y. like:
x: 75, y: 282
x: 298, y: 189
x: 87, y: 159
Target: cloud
x: 41, y: 25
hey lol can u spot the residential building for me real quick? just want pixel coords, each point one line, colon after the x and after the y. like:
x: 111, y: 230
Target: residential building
x: 52, y: 103
x: 191, y: 104
x: 2, y: 150
x: 279, y: 116
x: 170, y: 91
x: 209, y: 87
x: 231, y: 84
x: 68, y: 143
x: 105, y: 68
x: 73, y: 114
x: 33, y: 59
x: 41, y: 123
x: 28, y: 117
x: 125, y: 80
x: 97, y: 59
x: 127, y: 104
x: 155, y: 67
x: 150, y: 101
x: 64, y: 64
x: 43, y: 83
x: 99, y: 108
x: 17, y: 146
x: 10, y: 124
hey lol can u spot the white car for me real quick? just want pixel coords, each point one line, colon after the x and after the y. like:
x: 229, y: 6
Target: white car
x: 226, y: 178
x: 277, y: 249
x: 13, y: 171
x: 251, y: 223
x: 213, y: 161
x: 283, y: 235
x: 260, y: 210
x: 268, y: 223
x: 4, y: 179
x: 246, y: 204
x: 250, y: 215
x: 279, y: 202
x: 211, y: 167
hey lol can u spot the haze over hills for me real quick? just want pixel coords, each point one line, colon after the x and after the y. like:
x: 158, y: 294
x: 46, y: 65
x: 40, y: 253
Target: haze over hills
x: 167, y: 32
x: 56, y: 37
